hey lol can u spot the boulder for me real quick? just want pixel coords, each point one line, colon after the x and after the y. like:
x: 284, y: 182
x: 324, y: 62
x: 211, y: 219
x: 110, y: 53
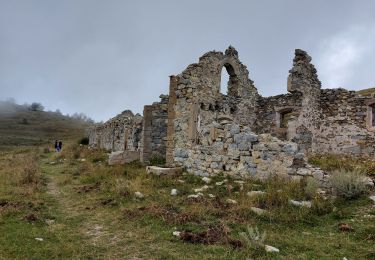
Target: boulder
x: 163, y: 171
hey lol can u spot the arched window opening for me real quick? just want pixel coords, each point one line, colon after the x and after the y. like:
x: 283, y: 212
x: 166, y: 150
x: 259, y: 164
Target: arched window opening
x: 224, y: 83
x: 228, y: 80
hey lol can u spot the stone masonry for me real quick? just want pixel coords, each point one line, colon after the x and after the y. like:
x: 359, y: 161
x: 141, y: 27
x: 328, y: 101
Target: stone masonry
x: 243, y: 133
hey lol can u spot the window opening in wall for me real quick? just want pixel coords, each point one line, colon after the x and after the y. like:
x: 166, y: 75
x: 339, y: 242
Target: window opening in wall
x: 285, y: 117
x: 224, y: 81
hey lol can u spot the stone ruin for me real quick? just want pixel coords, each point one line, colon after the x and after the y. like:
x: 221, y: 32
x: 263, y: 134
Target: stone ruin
x: 242, y: 133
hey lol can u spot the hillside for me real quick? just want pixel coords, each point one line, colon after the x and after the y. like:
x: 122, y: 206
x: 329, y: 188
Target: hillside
x: 366, y: 92
x: 21, y: 127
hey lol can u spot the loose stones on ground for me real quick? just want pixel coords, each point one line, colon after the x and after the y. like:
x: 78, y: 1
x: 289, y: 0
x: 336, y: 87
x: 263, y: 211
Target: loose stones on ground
x: 139, y: 195
x: 301, y: 203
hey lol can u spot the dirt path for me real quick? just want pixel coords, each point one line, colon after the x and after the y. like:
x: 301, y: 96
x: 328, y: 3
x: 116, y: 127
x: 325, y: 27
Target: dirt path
x: 76, y: 217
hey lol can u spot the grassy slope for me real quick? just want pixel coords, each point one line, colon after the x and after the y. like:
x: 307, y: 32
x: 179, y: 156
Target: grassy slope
x: 22, y: 127
x: 96, y: 215
x: 366, y: 92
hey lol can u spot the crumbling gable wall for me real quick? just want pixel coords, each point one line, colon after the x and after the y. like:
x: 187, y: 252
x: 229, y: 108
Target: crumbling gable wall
x: 120, y: 133
x: 154, y: 130
x: 215, y: 133
x: 319, y: 120
x: 198, y: 101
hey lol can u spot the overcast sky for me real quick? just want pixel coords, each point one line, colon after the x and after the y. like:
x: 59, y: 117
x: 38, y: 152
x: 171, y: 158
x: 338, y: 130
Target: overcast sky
x: 102, y: 57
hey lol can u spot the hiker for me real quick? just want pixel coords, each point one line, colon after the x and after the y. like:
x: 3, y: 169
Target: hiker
x: 60, y: 145
x: 56, y: 145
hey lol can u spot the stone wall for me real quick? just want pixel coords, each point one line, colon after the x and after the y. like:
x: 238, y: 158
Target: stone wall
x: 236, y: 150
x: 215, y: 133
x: 344, y: 126
x: 246, y: 135
x: 243, y: 133
x: 123, y: 132
x: 154, y: 133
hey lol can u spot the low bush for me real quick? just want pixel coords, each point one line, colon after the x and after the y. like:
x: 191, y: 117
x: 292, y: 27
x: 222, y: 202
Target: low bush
x: 311, y: 188
x: 348, y: 184
x: 84, y: 141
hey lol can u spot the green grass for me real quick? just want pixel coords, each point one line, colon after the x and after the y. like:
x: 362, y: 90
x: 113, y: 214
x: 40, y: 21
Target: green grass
x: 96, y: 214
x: 22, y: 127
x: 366, y: 92
x: 332, y: 162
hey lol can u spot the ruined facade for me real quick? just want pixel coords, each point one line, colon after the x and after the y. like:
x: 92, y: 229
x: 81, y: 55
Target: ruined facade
x: 245, y: 134
x: 123, y: 132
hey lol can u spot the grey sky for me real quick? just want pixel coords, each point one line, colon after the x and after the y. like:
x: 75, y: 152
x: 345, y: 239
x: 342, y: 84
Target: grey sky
x: 101, y: 57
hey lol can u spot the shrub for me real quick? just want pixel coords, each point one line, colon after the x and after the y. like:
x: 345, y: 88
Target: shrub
x: 157, y: 161
x: 36, y: 107
x: 311, y: 187
x: 84, y: 141
x: 348, y: 184
x: 253, y: 238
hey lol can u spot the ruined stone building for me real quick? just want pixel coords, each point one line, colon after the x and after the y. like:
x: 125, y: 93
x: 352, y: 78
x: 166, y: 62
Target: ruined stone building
x: 243, y: 133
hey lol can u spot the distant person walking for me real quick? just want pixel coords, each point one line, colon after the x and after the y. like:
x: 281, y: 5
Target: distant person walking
x: 60, y: 145
x: 56, y: 145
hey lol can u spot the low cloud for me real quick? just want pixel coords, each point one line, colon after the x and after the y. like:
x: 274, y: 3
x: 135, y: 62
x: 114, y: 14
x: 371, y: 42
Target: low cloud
x: 344, y: 54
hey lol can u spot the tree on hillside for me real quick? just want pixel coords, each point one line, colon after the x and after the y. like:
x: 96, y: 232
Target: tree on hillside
x: 36, y: 107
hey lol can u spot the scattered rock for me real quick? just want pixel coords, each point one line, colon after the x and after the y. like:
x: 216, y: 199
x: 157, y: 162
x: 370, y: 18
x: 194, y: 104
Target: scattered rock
x: 205, y: 187
x: 83, y: 160
x: 139, y: 195
x: 372, y: 198
x: 181, y: 181
x: 206, y: 180
x: 258, y: 211
x: 255, y: 193
x: 300, y: 203
x: 50, y: 221
x: 368, y: 181
x: 219, y: 183
x: 211, y: 196
x: 39, y: 239
x: 195, y: 196
x: 163, y: 171
x: 174, y: 192
x: 230, y: 201
x: 176, y: 233
x: 271, y: 249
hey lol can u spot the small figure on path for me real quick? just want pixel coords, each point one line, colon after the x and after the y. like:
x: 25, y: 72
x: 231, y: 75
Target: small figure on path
x: 60, y: 145
x: 56, y: 145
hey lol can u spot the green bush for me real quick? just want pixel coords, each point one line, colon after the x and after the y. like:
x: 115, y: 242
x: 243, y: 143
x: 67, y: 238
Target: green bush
x: 348, y: 184
x: 84, y: 141
x: 311, y: 187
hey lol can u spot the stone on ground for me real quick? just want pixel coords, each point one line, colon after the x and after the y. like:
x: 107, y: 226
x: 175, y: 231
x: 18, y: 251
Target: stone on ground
x: 271, y: 249
x: 163, y: 171
x: 301, y: 203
